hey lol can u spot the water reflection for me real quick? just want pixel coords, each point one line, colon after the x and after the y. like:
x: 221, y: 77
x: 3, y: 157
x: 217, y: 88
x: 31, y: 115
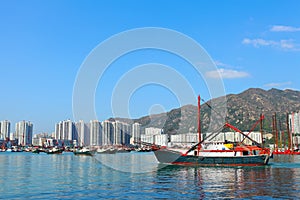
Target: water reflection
x: 129, y: 162
x: 239, y: 182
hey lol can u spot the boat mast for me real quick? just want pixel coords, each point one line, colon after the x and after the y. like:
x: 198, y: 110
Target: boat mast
x: 199, y: 124
x: 288, y: 131
x: 261, y: 130
x: 293, y: 131
x: 276, y: 132
x: 280, y: 135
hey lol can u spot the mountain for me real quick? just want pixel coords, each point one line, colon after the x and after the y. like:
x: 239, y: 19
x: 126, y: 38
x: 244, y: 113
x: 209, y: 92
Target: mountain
x: 243, y: 110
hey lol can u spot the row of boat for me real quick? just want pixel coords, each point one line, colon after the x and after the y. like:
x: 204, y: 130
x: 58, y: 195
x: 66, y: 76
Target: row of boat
x: 79, y: 150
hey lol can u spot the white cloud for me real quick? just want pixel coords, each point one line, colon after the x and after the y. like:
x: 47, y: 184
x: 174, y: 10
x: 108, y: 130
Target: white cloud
x: 280, y: 28
x: 258, y: 42
x: 282, y: 44
x: 277, y: 85
x: 226, y: 74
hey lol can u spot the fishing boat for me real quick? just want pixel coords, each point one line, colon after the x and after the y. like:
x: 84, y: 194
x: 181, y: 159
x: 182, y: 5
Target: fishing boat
x: 35, y: 150
x: 107, y: 151
x: 16, y: 149
x: 84, y: 152
x: 283, y: 150
x: 216, y: 154
x: 54, y: 150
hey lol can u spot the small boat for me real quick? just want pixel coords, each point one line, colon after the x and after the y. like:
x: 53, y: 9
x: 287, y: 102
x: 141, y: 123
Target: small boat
x: 216, y: 154
x: 16, y: 149
x: 123, y: 150
x: 54, y: 150
x: 35, y: 150
x: 107, y: 151
x: 84, y: 152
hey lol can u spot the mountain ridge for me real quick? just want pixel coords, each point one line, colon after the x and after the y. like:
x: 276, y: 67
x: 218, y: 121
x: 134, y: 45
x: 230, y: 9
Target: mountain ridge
x: 243, y: 110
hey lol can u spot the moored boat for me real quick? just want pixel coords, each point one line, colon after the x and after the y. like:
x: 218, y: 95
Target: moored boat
x: 107, y: 151
x: 216, y: 154
x: 35, y: 150
x: 84, y: 152
x: 237, y: 156
x: 54, y: 150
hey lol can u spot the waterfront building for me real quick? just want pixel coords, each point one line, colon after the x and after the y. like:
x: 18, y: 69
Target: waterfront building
x: 58, y: 133
x: 23, y: 132
x: 136, y: 133
x: 256, y: 136
x: 4, y: 129
x: 121, y: 133
x: 189, y: 139
x: 82, y: 130
x: 153, y: 131
x: 186, y: 139
x: 126, y: 133
x: 147, y: 139
x: 161, y: 140
x: 107, y: 136
x: 220, y: 137
x: 69, y: 130
x: 232, y: 136
x: 44, y: 140
x: 95, y: 133
x: 117, y: 132
x: 65, y: 130
x: 153, y: 135
x: 294, y: 122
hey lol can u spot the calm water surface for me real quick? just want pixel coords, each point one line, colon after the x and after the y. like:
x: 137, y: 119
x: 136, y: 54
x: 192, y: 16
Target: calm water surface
x: 42, y: 176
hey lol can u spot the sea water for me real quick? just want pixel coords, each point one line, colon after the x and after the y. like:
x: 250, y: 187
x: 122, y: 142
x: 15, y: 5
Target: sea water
x: 139, y: 176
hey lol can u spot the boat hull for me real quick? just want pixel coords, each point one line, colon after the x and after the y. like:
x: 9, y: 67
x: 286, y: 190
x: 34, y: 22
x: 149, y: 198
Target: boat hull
x: 176, y: 158
x: 84, y: 153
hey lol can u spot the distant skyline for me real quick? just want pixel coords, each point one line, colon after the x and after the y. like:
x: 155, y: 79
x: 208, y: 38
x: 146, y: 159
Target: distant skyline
x: 43, y: 44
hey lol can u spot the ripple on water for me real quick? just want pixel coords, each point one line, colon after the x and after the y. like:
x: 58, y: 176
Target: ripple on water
x: 42, y: 176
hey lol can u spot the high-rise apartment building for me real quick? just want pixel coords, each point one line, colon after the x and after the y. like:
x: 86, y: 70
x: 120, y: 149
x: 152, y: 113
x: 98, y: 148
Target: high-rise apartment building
x: 95, y: 133
x: 107, y: 137
x: 65, y: 130
x: 83, y: 133
x: 294, y: 122
x: 4, y: 129
x: 126, y: 134
x: 121, y: 133
x: 136, y: 133
x: 23, y: 132
x: 117, y: 132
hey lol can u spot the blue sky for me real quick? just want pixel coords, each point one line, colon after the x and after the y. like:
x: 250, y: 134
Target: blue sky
x: 254, y: 44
